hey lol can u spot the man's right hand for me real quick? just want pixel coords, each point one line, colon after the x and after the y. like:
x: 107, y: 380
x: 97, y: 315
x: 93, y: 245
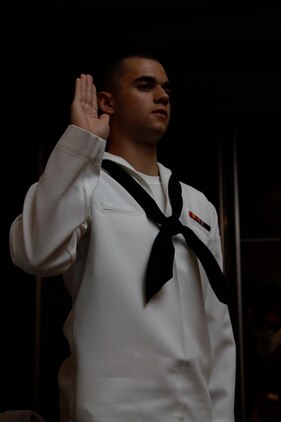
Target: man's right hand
x: 84, y: 108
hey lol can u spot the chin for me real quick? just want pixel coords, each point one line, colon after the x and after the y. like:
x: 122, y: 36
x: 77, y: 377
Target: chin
x: 161, y: 130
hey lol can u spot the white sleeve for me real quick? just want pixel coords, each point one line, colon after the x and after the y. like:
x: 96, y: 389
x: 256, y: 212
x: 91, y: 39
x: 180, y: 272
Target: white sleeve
x: 44, y: 237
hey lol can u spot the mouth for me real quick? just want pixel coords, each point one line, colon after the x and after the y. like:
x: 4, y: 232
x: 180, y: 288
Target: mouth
x: 161, y: 111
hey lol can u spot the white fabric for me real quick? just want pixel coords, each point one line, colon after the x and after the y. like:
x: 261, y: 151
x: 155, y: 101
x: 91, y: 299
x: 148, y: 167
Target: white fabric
x: 170, y: 360
x: 156, y: 188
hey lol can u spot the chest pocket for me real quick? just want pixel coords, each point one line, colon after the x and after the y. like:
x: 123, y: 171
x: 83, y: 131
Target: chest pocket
x: 111, y: 197
x: 113, y: 209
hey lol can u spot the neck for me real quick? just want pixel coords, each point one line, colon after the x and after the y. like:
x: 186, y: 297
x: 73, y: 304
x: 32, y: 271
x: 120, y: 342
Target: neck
x: 143, y: 157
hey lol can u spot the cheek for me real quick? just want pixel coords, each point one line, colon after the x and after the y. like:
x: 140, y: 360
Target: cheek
x: 132, y: 110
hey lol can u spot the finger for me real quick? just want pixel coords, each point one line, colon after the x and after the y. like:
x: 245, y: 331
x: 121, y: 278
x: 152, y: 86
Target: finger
x: 84, y: 88
x: 77, y: 91
x: 89, y: 90
x: 94, y: 102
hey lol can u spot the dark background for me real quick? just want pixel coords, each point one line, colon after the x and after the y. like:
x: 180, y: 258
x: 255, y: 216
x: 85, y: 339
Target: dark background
x: 224, y: 61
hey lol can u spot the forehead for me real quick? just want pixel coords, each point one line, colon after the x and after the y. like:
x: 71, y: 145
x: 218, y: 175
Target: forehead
x: 136, y: 67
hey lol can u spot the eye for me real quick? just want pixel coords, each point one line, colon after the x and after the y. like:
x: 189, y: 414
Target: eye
x: 144, y: 86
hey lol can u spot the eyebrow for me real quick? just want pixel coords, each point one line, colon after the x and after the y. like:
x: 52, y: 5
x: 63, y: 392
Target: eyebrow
x: 152, y: 80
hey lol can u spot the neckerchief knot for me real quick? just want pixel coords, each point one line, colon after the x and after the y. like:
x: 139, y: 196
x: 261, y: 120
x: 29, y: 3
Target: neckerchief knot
x: 160, y: 264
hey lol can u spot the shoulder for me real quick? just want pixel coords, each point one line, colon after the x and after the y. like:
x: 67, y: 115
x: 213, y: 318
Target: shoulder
x: 189, y: 193
x: 194, y: 201
x: 194, y: 194
x: 200, y: 211
x: 197, y: 199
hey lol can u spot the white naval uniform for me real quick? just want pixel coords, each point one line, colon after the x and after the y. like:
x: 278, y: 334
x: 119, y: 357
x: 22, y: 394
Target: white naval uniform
x: 170, y: 360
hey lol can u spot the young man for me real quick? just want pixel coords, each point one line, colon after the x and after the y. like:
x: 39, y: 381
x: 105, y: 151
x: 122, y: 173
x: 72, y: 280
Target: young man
x: 139, y: 352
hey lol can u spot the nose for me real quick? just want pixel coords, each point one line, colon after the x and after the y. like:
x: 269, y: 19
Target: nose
x: 161, y: 96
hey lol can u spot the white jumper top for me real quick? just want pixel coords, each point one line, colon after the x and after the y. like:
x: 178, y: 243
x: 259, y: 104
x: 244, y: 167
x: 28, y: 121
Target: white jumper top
x: 170, y: 360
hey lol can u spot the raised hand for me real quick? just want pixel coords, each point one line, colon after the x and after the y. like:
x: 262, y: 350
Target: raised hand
x: 84, y: 108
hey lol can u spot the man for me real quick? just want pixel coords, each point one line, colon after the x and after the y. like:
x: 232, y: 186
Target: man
x: 165, y: 357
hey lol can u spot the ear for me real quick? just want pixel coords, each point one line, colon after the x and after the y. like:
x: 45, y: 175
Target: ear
x: 105, y: 102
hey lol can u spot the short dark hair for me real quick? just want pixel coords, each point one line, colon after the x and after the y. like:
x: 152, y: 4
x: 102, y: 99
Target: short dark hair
x: 111, y: 72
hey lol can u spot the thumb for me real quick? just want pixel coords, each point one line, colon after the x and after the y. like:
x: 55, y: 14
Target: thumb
x: 105, y: 117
